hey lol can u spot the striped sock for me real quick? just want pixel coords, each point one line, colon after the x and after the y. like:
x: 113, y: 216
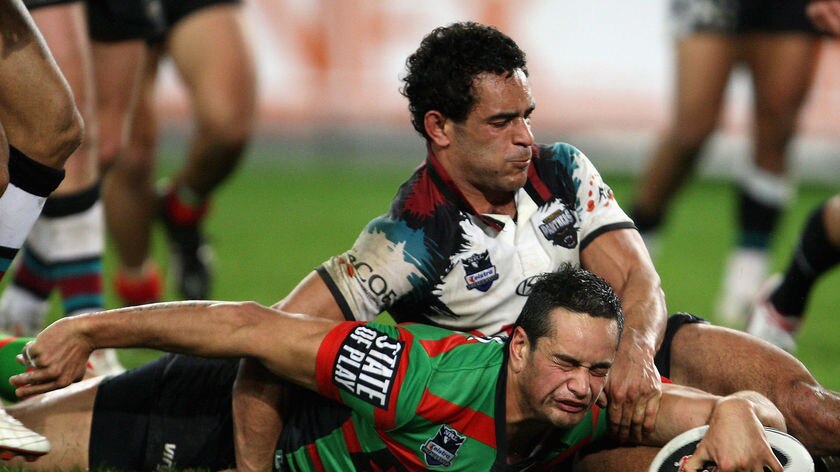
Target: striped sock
x: 25, y: 301
x: 30, y: 183
x: 70, y: 238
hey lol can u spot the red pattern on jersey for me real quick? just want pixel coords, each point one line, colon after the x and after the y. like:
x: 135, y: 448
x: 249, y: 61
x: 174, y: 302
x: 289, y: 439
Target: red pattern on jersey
x: 424, y: 196
x: 441, y: 346
x: 350, y: 437
x: 327, y: 353
x: 474, y: 424
x: 317, y: 464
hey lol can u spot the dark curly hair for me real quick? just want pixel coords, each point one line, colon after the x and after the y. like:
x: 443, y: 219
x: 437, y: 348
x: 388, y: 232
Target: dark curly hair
x: 440, y: 73
x: 574, y: 289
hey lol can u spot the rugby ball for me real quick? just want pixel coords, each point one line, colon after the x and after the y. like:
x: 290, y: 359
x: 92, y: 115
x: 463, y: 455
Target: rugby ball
x: 791, y: 453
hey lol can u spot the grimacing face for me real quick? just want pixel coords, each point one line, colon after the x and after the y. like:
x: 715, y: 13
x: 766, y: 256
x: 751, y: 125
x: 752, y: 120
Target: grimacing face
x: 567, y: 370
x: 491, y: 149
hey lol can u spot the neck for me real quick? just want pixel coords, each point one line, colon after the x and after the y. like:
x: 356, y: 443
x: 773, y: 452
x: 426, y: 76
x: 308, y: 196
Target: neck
x: 525, y: 433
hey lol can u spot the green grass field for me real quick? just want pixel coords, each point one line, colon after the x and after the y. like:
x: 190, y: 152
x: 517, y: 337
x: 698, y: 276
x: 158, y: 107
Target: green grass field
x: 275, y: 222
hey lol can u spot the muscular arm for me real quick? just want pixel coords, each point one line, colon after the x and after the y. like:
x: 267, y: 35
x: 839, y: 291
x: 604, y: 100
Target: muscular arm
x: 683, y: 408
x: 735, y: 439
x: 257, y: 392
x: 634, y: 386
x: 286, y: 344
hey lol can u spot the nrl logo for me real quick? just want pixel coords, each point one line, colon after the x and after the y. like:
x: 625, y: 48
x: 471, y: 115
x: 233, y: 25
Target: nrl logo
x: 480, y: 271
x: 442, y: 449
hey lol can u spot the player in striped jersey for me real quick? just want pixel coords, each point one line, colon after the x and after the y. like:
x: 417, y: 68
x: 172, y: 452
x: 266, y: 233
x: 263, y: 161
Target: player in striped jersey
x: 410, y: 397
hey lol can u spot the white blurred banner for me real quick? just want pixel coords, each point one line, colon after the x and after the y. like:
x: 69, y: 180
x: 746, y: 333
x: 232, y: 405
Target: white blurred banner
x: 596, y: 66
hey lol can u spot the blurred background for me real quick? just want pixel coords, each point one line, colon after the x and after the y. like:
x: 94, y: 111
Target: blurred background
x: 601, y: 73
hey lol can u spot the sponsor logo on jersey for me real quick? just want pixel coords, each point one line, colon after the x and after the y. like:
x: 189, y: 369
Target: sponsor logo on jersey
x: 442, y: 449
x: 373, y: 283
x: 367, y: 364
x: 559, y: 228
x: 480, y: 271
x: 524, y: 287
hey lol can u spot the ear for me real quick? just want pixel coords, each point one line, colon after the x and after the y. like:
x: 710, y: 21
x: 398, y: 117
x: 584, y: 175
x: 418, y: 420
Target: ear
x: 435, y: 124
x: 520, y: 350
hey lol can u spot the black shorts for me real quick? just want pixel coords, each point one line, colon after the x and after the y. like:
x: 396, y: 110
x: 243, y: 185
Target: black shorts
x: 123, y: 20
x: 740, y: 16
x: 174, y: 412
x: 35, y: 4
x: 176, y: 10
x: 675, y: 322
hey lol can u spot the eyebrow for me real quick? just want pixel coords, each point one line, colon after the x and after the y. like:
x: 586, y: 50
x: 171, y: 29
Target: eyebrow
x: 576, y: 362
x: 512, y: 115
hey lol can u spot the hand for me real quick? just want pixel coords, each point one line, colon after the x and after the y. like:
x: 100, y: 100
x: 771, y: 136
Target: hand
x: 57, y: 357
x: 735, y: 441
x: 825, y: 14
x: 634, y: 389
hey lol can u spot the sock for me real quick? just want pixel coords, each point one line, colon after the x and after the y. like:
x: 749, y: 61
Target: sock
x: 814, y: 255
x: 645, y: 223
x: 71, y: 237
x: 762, y: 197
x: 183, y: 206
x: 30, y: 183
x: 25, y: 302
x: 10, y: 347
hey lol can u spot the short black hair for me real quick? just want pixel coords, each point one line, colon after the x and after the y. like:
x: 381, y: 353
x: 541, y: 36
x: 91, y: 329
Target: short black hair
x: 574, y: 289
x: 441, y: 71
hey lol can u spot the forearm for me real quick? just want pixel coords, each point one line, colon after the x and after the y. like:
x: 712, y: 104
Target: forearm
x: 645, y: 314
x: 212, y: 329
x: 257, y: 416
x: 621, y: 259
x: 284, y: 343
x: 683, y: 408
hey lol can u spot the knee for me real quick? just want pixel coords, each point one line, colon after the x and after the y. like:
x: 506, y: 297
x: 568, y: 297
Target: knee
x: 228, y: 121
x: 64, y: 135
x: 688, y: 137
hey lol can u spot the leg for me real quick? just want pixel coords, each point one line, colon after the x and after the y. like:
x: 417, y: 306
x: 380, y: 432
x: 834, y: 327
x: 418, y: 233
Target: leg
x: 781, y: 304
x: 129, y: 190
x: 704, y: 62
x: 812, y: 413
x: 35, y: 102
x: 782, y: 67
x: 221, y: 85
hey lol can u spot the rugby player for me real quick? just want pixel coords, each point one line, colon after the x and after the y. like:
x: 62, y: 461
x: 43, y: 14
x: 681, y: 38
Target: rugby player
x: 391, y: 398
x: 40, y: 127
x: 777, y: 43
x: 206, y: 40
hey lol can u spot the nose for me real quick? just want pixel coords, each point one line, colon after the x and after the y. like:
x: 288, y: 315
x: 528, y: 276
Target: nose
x: 579, y: 383
x: 522, y: 132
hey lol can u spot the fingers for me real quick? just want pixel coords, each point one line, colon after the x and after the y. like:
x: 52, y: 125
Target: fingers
x: 27, y: 358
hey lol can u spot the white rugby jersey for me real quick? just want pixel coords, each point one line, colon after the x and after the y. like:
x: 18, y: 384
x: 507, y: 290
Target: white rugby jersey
x: 433, y: 259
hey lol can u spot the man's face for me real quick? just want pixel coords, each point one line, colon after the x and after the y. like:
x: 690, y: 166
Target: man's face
x: 490, y: 151
x: 566, y: 371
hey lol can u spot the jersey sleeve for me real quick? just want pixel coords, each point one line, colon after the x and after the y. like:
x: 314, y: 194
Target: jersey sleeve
x: 366, y: 367
x: 388, y: 261
x: 596, y: 205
